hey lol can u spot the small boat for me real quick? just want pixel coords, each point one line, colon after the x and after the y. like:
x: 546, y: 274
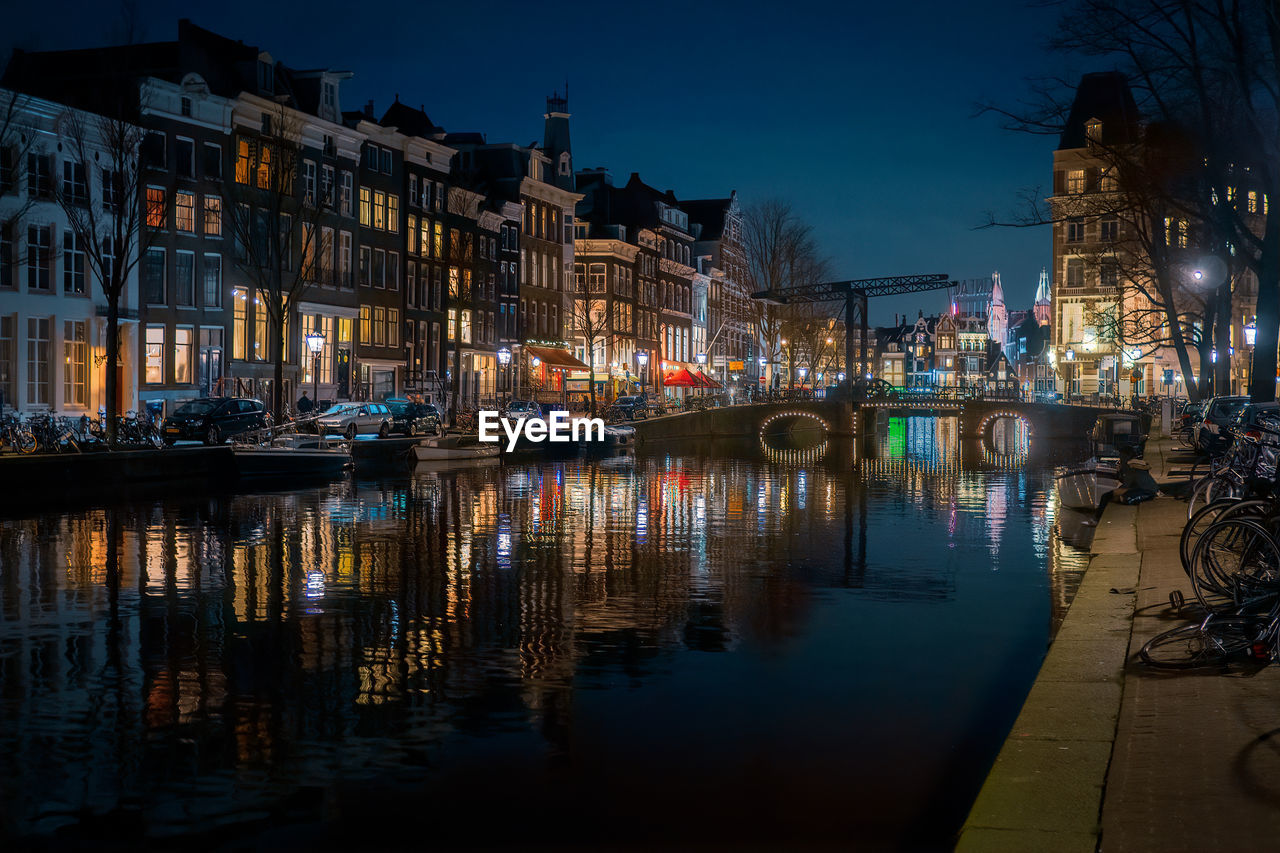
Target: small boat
x: 1082, y: 487
x: 454, y: 447
x: 264, y: 461
x: 619, y: 436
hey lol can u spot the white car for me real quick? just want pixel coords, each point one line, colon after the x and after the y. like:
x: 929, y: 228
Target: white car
x: 352, y: 419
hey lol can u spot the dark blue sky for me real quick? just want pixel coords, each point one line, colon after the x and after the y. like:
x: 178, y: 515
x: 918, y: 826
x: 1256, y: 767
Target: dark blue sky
x: 860, y: 114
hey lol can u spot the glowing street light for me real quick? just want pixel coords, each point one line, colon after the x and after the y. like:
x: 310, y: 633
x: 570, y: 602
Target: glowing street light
x: 315, y: 343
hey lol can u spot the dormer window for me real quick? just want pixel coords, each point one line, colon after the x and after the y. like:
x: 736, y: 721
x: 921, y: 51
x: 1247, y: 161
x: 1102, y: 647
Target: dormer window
x: 1093, y: 130
x: 186, y: 107
x: 266, y: 75
x: 564, y: 163
x: 330, y: 95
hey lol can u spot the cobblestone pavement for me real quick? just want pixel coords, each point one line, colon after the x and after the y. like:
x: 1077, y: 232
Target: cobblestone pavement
x: 1196, y: 764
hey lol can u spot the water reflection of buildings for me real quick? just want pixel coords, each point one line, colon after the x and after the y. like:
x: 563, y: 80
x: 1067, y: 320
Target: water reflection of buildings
x: 242, y: 631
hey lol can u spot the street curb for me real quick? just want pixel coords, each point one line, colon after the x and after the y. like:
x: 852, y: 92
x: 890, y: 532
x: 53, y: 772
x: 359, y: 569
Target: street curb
x: 1045, y: 790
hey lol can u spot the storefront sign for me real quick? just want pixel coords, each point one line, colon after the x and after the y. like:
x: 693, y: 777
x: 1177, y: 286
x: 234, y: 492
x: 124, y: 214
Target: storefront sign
x: 736, y: 365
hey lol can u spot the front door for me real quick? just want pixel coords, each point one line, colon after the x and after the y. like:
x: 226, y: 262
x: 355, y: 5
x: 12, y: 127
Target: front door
x: 210, y: 369
x: 343, y: 367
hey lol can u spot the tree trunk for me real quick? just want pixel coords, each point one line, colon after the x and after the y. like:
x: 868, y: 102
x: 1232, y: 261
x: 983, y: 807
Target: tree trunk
x: 113, y: 366
x: 454, y: 382
x: 1222, y: 341
x: 1262, y: 379
x: 277, y: 357
x: 591, y: 369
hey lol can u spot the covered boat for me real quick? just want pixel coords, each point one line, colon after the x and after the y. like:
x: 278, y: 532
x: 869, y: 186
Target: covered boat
x: 454, y: 447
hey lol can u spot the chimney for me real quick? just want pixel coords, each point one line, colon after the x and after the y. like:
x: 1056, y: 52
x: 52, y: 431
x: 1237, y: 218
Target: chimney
x: 368, y: 110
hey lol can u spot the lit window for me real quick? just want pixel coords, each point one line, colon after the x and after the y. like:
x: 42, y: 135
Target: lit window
x: 155, y: 355
x: 212, y: 216
x: 366, y: 214
x: 1075, y: 181
x: 182, y: 356
x: 155, y: 207
x: 185, y: 207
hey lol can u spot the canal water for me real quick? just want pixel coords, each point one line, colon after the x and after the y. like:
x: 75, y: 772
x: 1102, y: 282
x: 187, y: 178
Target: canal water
x: 794, y: 641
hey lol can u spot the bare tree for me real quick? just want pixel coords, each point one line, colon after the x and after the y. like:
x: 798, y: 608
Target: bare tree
x: 780, y: 252
x: 1207, y: 77
x: 108, y: 228
x: 276, y: 226
x: 589, y: 320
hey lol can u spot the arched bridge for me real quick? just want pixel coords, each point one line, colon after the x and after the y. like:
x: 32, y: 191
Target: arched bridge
x: 1043, y: 420
x: 977, y: 416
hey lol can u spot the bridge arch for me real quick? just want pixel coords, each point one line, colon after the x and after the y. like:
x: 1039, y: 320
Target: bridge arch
x: 989, y: 420
x: 792, y: 415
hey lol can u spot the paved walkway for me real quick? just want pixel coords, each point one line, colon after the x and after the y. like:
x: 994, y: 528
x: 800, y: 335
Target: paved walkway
x: 1110, y: 755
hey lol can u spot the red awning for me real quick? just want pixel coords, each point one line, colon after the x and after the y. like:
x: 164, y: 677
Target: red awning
x: 556, y: 358
x: 680, y: 378
x: 707, y: 381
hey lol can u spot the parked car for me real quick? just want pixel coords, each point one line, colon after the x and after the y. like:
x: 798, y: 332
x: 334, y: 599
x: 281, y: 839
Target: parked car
x: 518, y: 410
x: 1252, y: 415
x: 214, y: 419
x: 632, y: 408
x: 409, y: 418
x: 352, y: 419
x: 1218, y: 413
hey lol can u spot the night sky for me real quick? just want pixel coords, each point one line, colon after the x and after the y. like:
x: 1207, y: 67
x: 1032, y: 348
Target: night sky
x: 862, y: 115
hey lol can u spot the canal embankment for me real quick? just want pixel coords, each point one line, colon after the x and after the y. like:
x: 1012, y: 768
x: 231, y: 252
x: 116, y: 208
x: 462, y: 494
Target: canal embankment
x: 1110, y: 754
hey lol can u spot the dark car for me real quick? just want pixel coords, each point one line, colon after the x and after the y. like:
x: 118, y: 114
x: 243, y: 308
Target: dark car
x: 1218, y: 413
x: 629, y: 408
x: 214, y: 419
x: 518, y: 410
x: 411, y: 418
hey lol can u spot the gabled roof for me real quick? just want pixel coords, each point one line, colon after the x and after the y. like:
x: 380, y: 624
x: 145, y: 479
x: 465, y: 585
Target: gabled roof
x: 709, y: 213
x: 409, y: 120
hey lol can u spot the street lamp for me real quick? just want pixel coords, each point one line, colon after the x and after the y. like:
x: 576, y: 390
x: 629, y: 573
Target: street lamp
x: 315, y: 343
x: 1250, y: 333
x: 642, y: 359
x: 504, y: 359
x: 803, y: 371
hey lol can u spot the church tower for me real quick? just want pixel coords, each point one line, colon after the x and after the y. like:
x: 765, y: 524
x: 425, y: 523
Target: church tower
x: 997, y: 314
x: 1044, y: 307
x: 555, y: 140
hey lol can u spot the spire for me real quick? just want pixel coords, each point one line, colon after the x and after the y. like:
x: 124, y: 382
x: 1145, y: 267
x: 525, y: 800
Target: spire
x: 997, y: 292
x: 1044, y: 305
x: 1042, y: 290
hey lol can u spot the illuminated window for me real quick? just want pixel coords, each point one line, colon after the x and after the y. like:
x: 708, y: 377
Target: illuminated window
x: 438, y: 242
x: 260, y: 348
x: 243, y: 157
x: 379, y: 208
x: 75, y: 373
x: 155, y: 207
x: 1075, y: 181
x: 466, y: 327
x: 366, y: 209
x: 264, y: 167
x: 412, y: 229
x: 240, y: 324
x: 453, y: 323
x: 185, y: 209
x: 365, y: 335
x: 453, y: 282
x: 182, y: 337
x: 155, y: 355
x: 424, y: 237
x: 379, y: 326
x: 393, y: 213
x: 1252, y: 201
x: 212, y: 216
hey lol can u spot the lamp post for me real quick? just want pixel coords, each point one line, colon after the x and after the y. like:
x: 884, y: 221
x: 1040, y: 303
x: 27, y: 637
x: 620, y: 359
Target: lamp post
x: 315, y: 343
x: 1071, y: 357
x: 504, y: 361
x: 642, y: 358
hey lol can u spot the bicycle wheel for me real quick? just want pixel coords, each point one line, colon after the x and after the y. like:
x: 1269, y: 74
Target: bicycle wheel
x: 1230, y: 550
x: 1219, y: 510
x: 26, y: 441
x: 1212, y: 642
x: 1198, y: 498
